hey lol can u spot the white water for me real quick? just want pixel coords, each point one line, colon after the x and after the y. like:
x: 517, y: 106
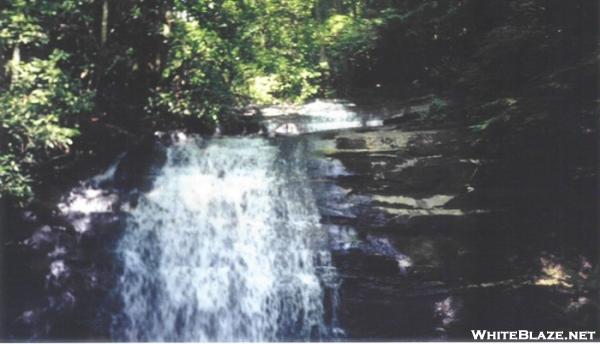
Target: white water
x: 319, y: 115
x: 226, y: 247
x: 90, y: 198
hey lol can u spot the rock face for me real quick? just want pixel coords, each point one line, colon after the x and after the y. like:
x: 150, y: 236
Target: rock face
x: 58, y: 269
x: 137, y: 165
x: 402, y: 118
x: 431, y: 242
x: 249, y: 122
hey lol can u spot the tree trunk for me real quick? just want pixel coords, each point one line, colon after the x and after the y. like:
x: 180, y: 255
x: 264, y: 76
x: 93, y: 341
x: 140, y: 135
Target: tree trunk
x: 104, y: 23
x: 319, y: 16
x: 338, y: 6
x: 14, y: 63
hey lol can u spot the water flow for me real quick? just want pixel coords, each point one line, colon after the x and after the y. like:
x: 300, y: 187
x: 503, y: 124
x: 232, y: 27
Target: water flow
x: 227, y: 246
x: 319, y: 115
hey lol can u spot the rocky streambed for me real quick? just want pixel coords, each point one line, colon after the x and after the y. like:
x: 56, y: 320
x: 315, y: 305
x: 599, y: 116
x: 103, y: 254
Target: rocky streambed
x: 421, y: 235
x: 430, y: 245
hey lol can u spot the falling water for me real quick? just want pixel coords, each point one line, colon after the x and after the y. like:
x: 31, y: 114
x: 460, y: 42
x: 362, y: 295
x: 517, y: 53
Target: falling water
x: 226, y: 246
x: 319, y: 115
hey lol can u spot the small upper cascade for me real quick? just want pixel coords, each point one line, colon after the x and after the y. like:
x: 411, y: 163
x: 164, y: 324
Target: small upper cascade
x: 316, y: 116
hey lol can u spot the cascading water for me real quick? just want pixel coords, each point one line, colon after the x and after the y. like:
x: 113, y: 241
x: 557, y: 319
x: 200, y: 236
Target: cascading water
x: 317, y: 116
x: 227, y: 246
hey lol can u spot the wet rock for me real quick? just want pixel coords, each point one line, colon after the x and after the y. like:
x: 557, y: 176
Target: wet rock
x: 421, y: 179
x: 62, y: 302
x: 203, y: 125
x: 57, y: 275
x: 450, y: 221
x: 448, y: 312
x: 135, y: 169
x: 31, y: 324
x: 402, y: 118
x: 42, y: 239
x: 242, y: 124
x: 350, y: 143
x: 382, y: 141
x: 107, y: 229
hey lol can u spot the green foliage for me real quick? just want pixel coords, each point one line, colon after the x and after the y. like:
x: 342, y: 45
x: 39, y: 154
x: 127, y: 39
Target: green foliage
x: 172, y: 63
x: 281, y: 53
x: 224, y: 53
x: 173, y: 60
x: 19, y: 26
x: 13, y: 182
x: 349, y: 37
x: 37, y: 113
x: 196, y: 74
x: 290, y: 84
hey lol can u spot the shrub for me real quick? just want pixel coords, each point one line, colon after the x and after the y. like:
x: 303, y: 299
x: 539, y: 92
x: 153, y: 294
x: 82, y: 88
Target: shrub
x: 37, y: 112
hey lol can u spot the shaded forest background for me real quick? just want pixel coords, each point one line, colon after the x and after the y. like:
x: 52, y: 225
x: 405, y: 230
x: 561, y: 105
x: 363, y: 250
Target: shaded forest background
x: 82, y: 79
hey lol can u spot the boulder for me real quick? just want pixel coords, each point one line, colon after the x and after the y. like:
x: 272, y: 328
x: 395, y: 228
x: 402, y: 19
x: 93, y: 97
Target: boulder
x: 135, y: 169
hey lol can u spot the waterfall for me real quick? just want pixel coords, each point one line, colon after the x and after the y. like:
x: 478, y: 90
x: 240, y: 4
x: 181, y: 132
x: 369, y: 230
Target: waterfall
x: 316, y: 116
x: 227, y: 246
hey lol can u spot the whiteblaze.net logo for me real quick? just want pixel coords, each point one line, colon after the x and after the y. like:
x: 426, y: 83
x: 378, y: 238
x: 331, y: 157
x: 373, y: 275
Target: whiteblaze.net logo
x: 486, y: 335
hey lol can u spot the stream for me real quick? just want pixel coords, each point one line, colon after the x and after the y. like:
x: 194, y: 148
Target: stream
x: 328, y: 226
